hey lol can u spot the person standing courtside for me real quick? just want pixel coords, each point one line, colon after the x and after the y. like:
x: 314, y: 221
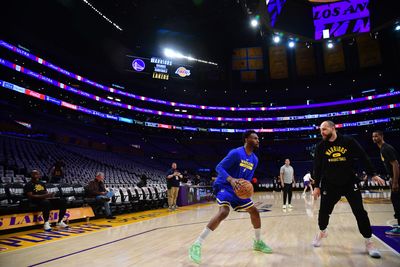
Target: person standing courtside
x: 334, y: 175
x: 390, y: 159
x: 173, y: 178
x: 307, y: 183
x: 287, y: 181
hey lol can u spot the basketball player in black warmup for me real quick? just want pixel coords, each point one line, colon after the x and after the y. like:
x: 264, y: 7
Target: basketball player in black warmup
x: 335, y: 176
x: 390, y: 159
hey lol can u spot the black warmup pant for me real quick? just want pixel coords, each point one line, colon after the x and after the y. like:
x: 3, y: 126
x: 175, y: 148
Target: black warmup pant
x: 287, y: 193
x: 46, y: 205
x: 395, y: 198
x: 331, y: 194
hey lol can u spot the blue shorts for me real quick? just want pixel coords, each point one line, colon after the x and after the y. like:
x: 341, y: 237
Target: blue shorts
x: 227, y: 197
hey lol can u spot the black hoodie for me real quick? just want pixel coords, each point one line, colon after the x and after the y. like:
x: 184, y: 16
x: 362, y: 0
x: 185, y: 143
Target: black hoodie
x: 334, y: 161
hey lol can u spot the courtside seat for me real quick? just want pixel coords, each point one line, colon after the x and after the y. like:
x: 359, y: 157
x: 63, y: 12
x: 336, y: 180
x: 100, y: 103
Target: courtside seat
x: 18, y: 202
x: 125, y: 199
x: 4, y: 205
x: 134, y: 198
x: 51, y: 188
x: 68, y: 193
x: 116, y: 204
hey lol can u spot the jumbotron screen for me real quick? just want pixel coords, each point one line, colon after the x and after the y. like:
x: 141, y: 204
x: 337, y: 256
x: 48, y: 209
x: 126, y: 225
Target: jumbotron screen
x: 158, y: 68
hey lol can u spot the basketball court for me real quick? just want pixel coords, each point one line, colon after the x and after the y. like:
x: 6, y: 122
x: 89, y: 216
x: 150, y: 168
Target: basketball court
x: 156, y: 237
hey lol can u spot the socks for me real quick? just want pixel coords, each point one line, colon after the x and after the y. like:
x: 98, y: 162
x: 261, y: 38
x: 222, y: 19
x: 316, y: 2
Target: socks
x: 257, y: 233
x: 203, y: 235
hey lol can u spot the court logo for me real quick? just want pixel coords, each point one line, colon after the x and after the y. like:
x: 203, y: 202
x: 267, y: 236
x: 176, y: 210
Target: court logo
x: 182, y: 72
x: 138, y: 65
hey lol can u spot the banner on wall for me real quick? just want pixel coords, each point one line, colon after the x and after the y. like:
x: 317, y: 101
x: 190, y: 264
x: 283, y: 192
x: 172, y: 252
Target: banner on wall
x: 278, y: 62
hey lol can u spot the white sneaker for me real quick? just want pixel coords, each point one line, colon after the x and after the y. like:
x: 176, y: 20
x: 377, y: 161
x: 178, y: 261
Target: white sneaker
x: 62, y: 225
x: 290, y: 206
x: 372, y: 250
x: 284, y: 207
x: 47, y: 226
x: 318, y: 238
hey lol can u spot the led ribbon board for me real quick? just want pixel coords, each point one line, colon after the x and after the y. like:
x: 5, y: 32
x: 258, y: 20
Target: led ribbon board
x: 188, y: 116
x: 184, y: 105
x: 58, y: 102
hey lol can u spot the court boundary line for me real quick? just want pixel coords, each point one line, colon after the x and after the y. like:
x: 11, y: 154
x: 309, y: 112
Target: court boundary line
x: 167, y: 227
x: 386, y: 245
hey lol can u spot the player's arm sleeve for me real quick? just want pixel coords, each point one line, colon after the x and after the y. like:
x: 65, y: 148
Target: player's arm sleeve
x: 317, y: 173
x: 226, y: 163
x: 360, y: 152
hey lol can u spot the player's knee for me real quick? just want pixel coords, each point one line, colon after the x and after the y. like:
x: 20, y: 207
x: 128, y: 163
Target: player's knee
x: 253, y: 210
x: 223, y: 213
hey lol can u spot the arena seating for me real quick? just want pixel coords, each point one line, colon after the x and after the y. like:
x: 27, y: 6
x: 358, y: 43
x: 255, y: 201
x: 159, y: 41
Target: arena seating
x: 20, y: 156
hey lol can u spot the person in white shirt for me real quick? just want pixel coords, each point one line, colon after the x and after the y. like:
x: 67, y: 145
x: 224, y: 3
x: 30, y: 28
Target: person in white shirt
x: 307, y: 183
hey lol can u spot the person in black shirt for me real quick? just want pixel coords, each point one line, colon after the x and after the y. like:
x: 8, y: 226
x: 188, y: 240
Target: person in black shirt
x: 173, y: 177
x: 334, y: 175
x: 57, y: 172
x: 143, y: 181
x: 36, y: 191
x: 390, y: 159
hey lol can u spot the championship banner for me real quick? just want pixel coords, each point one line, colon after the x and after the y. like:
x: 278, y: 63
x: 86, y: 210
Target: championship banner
x: 253, y: 52
x: 369, y: 53
x: 34, y: 218
x: 305, y: 60
x: 239, y: 53
x: 240, y: 64
x: 334, y: 58
x: 255, y: 64
x: 278, y: 62
x: 250, y: 58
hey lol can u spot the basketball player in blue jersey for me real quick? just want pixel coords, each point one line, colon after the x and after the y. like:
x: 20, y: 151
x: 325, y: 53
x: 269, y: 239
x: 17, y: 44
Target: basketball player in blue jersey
x: 240, y: 162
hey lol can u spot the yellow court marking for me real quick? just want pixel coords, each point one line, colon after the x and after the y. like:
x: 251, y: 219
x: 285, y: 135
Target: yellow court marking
x: 24, y: 239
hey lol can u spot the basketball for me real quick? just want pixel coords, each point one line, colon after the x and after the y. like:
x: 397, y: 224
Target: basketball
x: 243, y: 189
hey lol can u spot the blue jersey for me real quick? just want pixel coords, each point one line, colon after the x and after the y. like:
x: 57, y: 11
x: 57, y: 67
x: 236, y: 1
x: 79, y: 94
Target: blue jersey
x: 237, y: 164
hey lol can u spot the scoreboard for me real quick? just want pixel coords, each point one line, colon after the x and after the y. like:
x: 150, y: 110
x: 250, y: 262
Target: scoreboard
x: 158, y: 68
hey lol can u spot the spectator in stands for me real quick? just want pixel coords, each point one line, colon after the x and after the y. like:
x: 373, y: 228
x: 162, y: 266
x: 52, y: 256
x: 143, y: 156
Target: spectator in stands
x: 213, y: 177
x: 287, y: 182
x: 36, y: 191
x: 277, y: 183
x: 96, y: 189
x: 143, y: 181
x: 173, y: 177
x: 196, y: 180
x: 185, y: 177
x: 57, y: 172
